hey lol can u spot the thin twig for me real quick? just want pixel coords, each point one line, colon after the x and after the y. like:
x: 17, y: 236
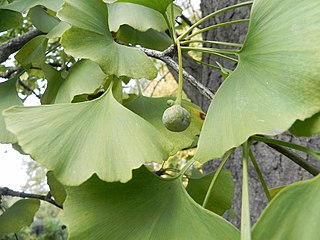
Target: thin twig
x: 166, y: 57
x: 26, y: 87
x: 8, y: 192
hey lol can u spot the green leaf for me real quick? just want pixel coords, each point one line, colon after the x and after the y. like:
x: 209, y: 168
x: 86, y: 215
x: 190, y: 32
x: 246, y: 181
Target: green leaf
x: 9, y: 19
x: 84, y: 78
x: 160, y: 6
x: 274, y: 191
x: 76, y: 140
x: 147, y: 207
x: 42, y: 20
x: 33, y: 52
x: 293, y: 214
x: 58, y: 30
x: 221, y: 197
x: 19, y: 215
x: 150, y: 39
x: 306, y: 128
x: 276, y: 82
x: 151, y: 109
x: 57, y: 190
x: 23, y: 5
x: 9, y: 97
x: 55, y: 80
x: 90, y: 38
x: 137, y: 16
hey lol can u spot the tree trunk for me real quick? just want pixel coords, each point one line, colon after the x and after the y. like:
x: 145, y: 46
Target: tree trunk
x: 277, y: 169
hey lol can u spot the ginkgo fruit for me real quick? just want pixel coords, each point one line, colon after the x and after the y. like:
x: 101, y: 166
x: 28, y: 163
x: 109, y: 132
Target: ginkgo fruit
x: 176, y: 118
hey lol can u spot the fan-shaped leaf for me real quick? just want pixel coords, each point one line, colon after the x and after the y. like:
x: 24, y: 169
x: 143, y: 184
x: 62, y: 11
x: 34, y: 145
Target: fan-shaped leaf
x: 42, y: 20
x: 9, y: 97
x: 221, y: 196
x: 85, y: 77
x: 276, y: 82
x: 33, y: 52
x: 90, y: 38
x: 147, y: 207
x: 9, y: 19
x: 308, y: 127
x: 160, y: 6
x: 19, y: 215
x: 292, y: 214
x: 80, y: 139
x: 23, y: 5
x: 137, y: 16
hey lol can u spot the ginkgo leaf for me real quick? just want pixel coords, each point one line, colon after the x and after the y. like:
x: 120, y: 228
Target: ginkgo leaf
x: 147, y: 207
x: 221, y: 196
x: 276, y: 82
x: 85, y: 76
x: 76, y: 140
x: 137, y: 16
x: 42, y: 20
x: 8, y: 98
x: 23, y: 5
x: 33, y: 52
x: 308, y: 127
x: 57, y: 190
x: 9, y: 19
x: 90, y: 38
x: 292, y: 214
x: 150, y: 39
x: 19, y: 215
x: 151, y: 109
x: 160, y: 6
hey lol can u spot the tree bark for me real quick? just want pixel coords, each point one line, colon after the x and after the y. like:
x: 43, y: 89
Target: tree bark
x: 277, y: 169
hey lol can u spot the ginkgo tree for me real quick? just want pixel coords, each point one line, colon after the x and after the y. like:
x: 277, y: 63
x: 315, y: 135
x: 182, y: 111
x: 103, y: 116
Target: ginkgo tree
x: 97, y: 141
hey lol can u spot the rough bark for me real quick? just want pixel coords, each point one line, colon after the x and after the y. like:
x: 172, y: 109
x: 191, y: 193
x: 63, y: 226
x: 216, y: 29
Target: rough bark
x: 277, y: 169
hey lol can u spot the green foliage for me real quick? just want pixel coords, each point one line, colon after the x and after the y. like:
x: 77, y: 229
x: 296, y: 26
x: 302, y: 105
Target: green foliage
x: 147, y: 207
x: 19, y: 215
x: 95, y: 139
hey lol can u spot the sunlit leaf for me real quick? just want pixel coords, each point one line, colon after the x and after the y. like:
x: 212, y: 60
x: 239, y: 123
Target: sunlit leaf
x: 221, y: 196
x: 8, y: 98
x: 308, y: 127
x: 76, y: 140
x: 293, y: 214
x: 147, y: 207
x: 42, y: 20
x: 276, y: 82
x: 33, y: 52
x: 9, y: 19
x: 90, y: 38
x: 57, y: 190
x: 160, y: 6
x: 150, y: 39
x: 85, y: 77
x: 23, y: 5
x: 19, y: 215
x: 137, y: 16
x: 151, y: 109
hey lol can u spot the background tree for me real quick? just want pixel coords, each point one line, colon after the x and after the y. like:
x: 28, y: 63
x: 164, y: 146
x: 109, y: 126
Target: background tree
x: 42, y: 57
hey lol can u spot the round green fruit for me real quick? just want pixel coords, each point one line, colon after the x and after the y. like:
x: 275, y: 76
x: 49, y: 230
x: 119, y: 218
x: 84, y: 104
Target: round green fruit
x: 176, y: 118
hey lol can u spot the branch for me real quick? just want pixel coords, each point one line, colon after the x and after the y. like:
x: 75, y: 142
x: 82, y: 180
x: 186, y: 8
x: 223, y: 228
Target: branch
x: 13, y: 45
x: 165, y: 56
x: 48, y: 198
x: 295, y: 158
